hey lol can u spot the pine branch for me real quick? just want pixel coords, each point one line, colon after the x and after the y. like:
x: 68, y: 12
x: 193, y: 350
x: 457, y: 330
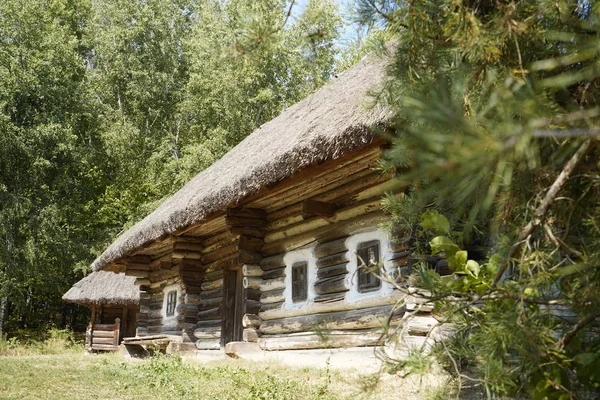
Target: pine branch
x: 566, y: 339
x: 540, y: 213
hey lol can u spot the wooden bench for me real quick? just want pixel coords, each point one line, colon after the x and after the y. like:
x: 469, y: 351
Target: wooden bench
x: 103, y: 336
x: 149, y: 344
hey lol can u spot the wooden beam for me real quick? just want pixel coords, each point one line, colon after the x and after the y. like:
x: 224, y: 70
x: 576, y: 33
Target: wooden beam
x: 311, y: 208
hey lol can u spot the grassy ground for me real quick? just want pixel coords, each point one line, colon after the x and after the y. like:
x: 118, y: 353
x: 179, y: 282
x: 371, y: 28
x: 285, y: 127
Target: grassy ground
x: 81, y: 376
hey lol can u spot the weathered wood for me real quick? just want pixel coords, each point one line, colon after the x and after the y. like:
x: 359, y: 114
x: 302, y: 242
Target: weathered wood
x: 354, y: 225
x: 210, y: 285
x: 141, y: 281
x: 103, y: 340
x: 208, y: 344
x: 245, y: 231
x: 252, y: 282
x: 250, y: 335
x: 219, y: 253
x: 245, y: 222
x: 271, y: 311
x: 330, y: 248
x: 333, y: 270
x: 253, y: 306
x: 192, y: 255
x: 210, y: 303
x: 251, y: 321
x: 329, y: 298
x: 105, y: 334
x: 402, y: 244
x: 420, y: 324
x: 209, y: 294
x: 250, y: 243
x: 272, y: 284
x: 208, y: 333
x: 274, y: 273
x: 333, y: 284
x: 138, y: 273
x: 209, y: 324
x: 274, y: 262
x: 209, y: 314
x: 249, y: 257
x: 253, y: 294
x: 213, y: 275
x: 155, y: 314
x: 334, y: 259
x: 104, y: 347
x: 193, y: 247
x: 353, y: 319
x: 256, y: 213
x: 333, y: 339
x: 311, y: 208
x: 266, y: 309
x: 272, y: 296
x: 192, y: 298
x: 252, y: 270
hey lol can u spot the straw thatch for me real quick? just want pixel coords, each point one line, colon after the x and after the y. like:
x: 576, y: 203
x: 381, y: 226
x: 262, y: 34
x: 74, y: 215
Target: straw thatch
x: 106, y: 288
x: 325, y: 125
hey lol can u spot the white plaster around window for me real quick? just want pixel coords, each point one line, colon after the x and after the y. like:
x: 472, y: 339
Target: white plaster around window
x: 175, y: 287
x: 352, y: 243
x: 290, y: 258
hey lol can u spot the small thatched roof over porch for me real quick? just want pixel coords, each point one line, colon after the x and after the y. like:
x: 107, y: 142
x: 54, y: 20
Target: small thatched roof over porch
x: 104, y: 288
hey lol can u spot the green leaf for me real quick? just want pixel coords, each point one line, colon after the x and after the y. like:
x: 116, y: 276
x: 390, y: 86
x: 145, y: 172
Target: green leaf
x: 458, y: 260
x: 445, y: 244
x: 473, y: 267
x: 585, y: 358
x: 433, y: 220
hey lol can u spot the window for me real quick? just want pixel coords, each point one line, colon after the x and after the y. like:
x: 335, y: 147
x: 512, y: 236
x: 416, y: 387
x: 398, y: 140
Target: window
x: 367, y: 260
x: 171, y: 303
x: 299, y: 281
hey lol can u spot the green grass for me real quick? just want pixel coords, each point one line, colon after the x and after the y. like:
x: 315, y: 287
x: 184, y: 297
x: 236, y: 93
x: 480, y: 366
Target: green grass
x: 79, y: 376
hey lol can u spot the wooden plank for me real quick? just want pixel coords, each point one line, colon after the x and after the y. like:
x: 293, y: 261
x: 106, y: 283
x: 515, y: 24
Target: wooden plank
x: 104, y: 347
x: 311, y: 208
x: 102, y: 340
x: 330, y: 248
x: 256, y: 213
x: 103, y: 334
x: 323, y: 340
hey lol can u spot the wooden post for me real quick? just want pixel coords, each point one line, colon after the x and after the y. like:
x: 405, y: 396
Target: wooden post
x: 124, y: 316
x: 88, y: 337
x: 117, y: 331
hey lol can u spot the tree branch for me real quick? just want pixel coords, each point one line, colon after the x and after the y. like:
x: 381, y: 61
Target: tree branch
x: 566, y: 339
x: 540, y: 213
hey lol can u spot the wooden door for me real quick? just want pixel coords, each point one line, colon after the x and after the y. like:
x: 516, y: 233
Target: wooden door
x: 233, y: 307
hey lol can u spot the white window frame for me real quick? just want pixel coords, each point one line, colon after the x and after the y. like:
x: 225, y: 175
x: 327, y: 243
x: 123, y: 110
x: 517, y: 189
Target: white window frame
x: 176, y: 287
x: 291, y: 258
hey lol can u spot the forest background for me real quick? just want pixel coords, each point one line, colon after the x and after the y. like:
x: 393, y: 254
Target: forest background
x: 107, y: 107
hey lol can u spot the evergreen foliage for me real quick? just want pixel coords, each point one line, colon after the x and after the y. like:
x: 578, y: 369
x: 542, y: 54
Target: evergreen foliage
x: 497, y: 112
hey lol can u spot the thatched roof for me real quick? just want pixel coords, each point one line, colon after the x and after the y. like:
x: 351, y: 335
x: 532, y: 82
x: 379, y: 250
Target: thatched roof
x: 323, y: 126
x: 104, y: 288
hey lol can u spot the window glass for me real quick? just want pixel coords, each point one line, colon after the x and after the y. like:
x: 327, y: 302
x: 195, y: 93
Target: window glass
x: 368, y: 260
x: 171, y: 303
x: 299, y: 281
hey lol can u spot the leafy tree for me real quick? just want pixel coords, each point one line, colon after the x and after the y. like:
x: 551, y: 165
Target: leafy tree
x: 496, y: 128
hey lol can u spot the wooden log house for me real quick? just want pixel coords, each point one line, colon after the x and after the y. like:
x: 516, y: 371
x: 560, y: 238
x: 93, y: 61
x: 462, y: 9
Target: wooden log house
x: 266, y: 244
x: 114, y: 302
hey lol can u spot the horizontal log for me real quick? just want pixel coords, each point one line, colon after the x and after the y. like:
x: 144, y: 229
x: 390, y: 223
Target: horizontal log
x: 141, y: 281
x: 252, y: 270
x: 333, y: 270
x: 256, y: 213
x: 245, y: 222
x: 209, y: 314
x: 273, y: 262
x: 272, y: 296
x: 155, y: 314
x: 332, y: 284
x: 209, y: 324
x: 195, y: 247
x: 104, y: 347
x: 352, y: 319
x: 192, y: 298
x: 245, y: 231
x: 329, y: 298
x: 210, y: 294
x: 219, y: 253
x: 361, y: 223
x: 249, y: 257
x: 274, y: 273
x: 329, y: 248
x: 311, y: 208
x: 333, y: 339
x: 103, y: 327
x: 272, y: 284
x: 208, y: 344
x: 213, y: 275
x: 420, y: 324
x: 253, y: 306
x: 138, y: 273
x: 274, y: 312
x: 109, y: 334
x: 250, y: 335
x: 192, y: 255
x: 192, y: 289
x: 250, y: 243
x: 253, y: 294
x: 209, y: 303
x: 210, y: 285
x: 208, y: 333
x: 252, y: 282
x: 251, y: 321
x: 98, y: 340
x: 334, y: 259
x: 267, y: 309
